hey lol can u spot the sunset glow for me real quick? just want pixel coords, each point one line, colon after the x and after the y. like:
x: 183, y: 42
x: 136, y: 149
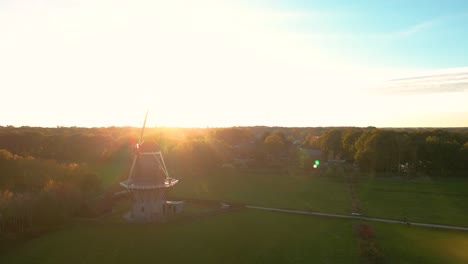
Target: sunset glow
x: 208, y: 63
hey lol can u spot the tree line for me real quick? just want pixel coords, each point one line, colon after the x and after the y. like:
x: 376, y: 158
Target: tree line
x: 440, y: 152
x: 432, y: 152
x: 38, y: 194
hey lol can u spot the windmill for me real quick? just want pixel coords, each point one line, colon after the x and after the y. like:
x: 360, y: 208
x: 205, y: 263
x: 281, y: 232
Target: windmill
x: 147, y: 183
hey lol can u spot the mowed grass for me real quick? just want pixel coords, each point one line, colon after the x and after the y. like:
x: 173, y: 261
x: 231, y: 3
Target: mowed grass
x: 439, y: 200
x: 282, y: 190
x: 410, y: 244
x: 254, y: 236
x: 245, y: 236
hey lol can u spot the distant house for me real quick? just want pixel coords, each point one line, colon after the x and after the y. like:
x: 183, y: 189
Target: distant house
x: 297, y: 142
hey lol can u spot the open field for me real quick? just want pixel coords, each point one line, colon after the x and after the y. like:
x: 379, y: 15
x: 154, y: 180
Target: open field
x: 409, y: 244
x: 436, y: 200
x: 297, y: 191
x: 245, y: 236
x: 250, y: 236
x: 430, y: 200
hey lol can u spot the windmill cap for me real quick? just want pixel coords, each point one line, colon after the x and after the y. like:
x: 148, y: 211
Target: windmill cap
x: 149, y: 146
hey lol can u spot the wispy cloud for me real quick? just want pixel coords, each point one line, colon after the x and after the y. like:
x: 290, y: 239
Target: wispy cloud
x: 412, y: 30
x: 447, y: 81
x: 386, y: 36
x: 422, y: 26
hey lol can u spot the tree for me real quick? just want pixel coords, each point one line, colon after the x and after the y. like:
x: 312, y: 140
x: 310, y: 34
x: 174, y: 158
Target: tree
x: 443, y: 153
x: 232, y: 136
x: 349, y: 138
x: 331, y: 142
x: 363, y: 152
x: 377, y: 150
x: 405, y: 151
x: 274, y: 144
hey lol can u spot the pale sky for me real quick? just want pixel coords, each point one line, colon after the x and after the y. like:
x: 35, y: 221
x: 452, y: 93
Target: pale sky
x: 232, y: 63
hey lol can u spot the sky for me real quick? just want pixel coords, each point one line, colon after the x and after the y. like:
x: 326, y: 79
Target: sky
x: 212, y: 63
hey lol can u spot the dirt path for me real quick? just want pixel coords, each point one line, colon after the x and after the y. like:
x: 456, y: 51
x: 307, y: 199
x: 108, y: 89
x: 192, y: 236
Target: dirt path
x: 355, y: 203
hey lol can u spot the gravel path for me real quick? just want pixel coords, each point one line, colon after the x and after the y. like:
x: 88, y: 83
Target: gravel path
x: 358, y: 218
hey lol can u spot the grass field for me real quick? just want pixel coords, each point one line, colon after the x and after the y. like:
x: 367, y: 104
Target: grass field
x: 249, y: 236
x: 245, y: 236
x: 409, y: 244
x: 297, y: 191
x: 439, y: 200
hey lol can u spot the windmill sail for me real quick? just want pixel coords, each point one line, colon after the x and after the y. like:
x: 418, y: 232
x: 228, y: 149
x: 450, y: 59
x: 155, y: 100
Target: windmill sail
x: 143, y: 129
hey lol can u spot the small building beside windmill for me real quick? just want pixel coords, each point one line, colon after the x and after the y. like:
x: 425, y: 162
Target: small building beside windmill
x: 147, y: 184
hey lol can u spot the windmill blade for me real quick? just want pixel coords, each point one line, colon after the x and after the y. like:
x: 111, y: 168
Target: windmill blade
x: 143, y: 129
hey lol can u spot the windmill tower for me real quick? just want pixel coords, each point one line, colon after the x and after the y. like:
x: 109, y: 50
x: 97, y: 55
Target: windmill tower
x: 148, y: 181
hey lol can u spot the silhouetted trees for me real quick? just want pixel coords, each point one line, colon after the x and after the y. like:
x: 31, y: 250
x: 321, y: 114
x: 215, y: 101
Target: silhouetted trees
x: 348, y: 140
x: 275, y: 144
x: 409, y: 151
x: 331, y: 142
x: 433, y: 152
x: 233, y: 136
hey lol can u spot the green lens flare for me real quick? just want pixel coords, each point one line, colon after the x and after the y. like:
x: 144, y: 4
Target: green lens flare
x: 317, y: 162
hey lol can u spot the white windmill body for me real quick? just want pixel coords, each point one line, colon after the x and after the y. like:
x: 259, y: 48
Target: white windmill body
x: 147, y: 182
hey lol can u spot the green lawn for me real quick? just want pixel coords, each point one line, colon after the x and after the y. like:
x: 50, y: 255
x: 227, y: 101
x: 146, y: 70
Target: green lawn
x: 297, y: 191
x: 249, y: 236
x: 443, y: 201
x: 432, y: 200
x: 245, y: 236
x: 409, y: 244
